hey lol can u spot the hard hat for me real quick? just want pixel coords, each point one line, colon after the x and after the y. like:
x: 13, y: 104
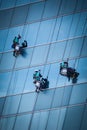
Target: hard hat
x: 36, y: 70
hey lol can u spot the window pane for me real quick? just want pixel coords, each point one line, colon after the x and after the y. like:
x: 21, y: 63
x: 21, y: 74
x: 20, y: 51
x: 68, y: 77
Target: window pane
x: 79, y: 94
x: 7, y: 61
x: 74, y: 122
x: 39, y: 121
x: 7, y: 4
x: 56, y: 51
x: 65, y: 25
x: 17, y: 17
x: 39, y: 55
x: 44, y: 100
x: 82, y: 69
x: 22, y: 122
x: 3, y: 38
x: 24, y: 59
x: 53, y: 74
x: 35, y: 11
x: 62, y: 94
x: 51, y: 8
x: 5, y: 16
x: 67, y: 6
x: 2, y: 100
x: 17, y: 81
x: 7, y: 123
x: 4, y: 83
x: 30, y: 34
x: 47, y: 27
x: 84, y: 49
x: 84, y: 121
x: 11, y: 105
x: 27, y: 102
x: 21, y: 2
x: 53, y: 120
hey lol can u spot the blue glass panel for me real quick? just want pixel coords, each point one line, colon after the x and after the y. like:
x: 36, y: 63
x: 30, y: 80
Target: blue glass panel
x: 21, y: 2
x: 84, y: 49
x: 82, y: 69
x: 47, y: 27
x: 39, y: 121
x: 35, y: 0
x: 7, y: 4
x: 53, y: 120
x: 30, y: 34
x: 79, y: 5
x: 62, y: 94
x: 7, y: 123
x: 56, y: 51
x: 39, y: 55
x: 51, y: 8
x: 53, y: 74
x: 35, y: 11
x: 7, y: 57
x: 11, y: 34
x: 5, y: 16
x: 81, y: 27
x: 25, y: 59
x: 74, y: 24
x: 85, y: 4
x: 17, y: 81
x: 74, y: 122
x: 4, y: 82
x: 2, y: 100
x: 22, y: 122
x: 56, y: 29
x: 29, y: 81
x: 61, y: 118
x: 79, y: 94
x: 17, y: 17
x: 67, y: 6
x: 84, y: 121
x: 65, y: 25
x: 3, y: 38
x: 44, y: 100
x: 11, y: 105
x: 27, y: 102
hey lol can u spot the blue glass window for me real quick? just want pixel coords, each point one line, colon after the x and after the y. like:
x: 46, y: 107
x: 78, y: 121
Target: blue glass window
x: 79, y: 94
x: 7, y: 4
x: 11, y: 105
x: 44, y: 100
x: 74, y: 122
x: 25, y: 59
x: 7, y: 123
x: 65, y: 25
x: 56, y: 51
x: 35, y: 11
x: 5, y: 18
x: 22, y: 2
x: 82, y: 69
x: 17, y: 17
x: 67, y: 6
x: 2, y: 100
x: 39, y: 121
x: 17, y: 81
x: 7, y: 57
x: 39, y: 55
x: 4, y: 83
x: 27, y: 102
x: 51, y: 8
x: 3, y: 38
x: 22, y: 122
x: 45, y: 32
x: 84, y: 49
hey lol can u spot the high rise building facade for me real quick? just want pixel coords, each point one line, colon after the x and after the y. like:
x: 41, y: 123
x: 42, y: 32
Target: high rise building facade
x: 56, y: 31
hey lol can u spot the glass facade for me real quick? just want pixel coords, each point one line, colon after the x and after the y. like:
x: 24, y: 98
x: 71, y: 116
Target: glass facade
x: 56, y: 30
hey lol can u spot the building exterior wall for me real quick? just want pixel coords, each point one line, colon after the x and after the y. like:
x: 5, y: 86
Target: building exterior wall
x: 56, y: 30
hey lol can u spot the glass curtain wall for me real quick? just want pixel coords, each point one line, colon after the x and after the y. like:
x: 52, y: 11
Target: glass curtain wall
x: 56, y: 31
